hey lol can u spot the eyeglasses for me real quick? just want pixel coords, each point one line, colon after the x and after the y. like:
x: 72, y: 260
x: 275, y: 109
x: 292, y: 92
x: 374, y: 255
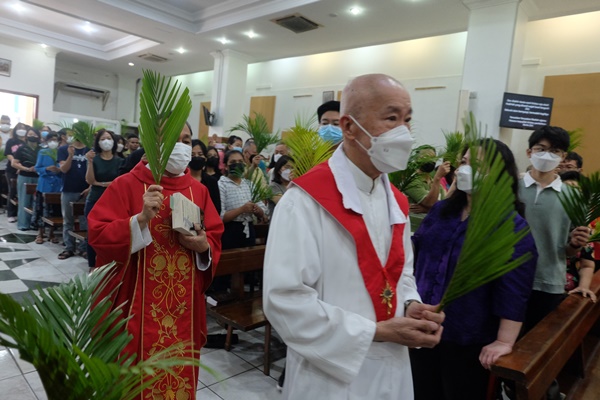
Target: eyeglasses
x: 540, y: 149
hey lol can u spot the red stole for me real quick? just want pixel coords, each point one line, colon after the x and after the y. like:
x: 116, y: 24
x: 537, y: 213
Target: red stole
x: 380, y: 281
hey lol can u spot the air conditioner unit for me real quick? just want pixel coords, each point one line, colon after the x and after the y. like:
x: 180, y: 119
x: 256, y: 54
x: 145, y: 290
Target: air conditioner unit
x: 82, y: 90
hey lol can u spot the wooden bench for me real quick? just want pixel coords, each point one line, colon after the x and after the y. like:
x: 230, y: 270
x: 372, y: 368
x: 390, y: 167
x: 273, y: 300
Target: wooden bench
x: 560, y: 346
x: 244, y: 312
x: 52, y: 199
x: 30, y: 189
x: 78, y: 209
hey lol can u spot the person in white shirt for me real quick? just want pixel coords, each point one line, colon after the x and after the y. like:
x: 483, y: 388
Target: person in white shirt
x: 338, y: 275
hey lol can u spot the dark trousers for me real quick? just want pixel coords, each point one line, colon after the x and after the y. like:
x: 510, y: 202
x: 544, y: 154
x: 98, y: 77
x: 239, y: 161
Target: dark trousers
x: 449, y: 372
x: 11, y: 181
x: 91, y: 253
x: 539, y: 305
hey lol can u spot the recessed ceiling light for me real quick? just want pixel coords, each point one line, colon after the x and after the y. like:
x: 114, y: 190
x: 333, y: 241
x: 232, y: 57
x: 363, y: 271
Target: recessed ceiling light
x: 88, y: 27
x: 250, y: 34
x: 18, y: 7
x: 356, y: 10
x: 180, y: 50
x: 75, y: 120
x: 131, y: 64
x: 44, y: 45
x: 223, y: 40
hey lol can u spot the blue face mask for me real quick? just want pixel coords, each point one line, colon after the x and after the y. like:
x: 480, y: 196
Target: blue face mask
x: 238, y: 149
x: 44, y: 134
x: 331, y: 133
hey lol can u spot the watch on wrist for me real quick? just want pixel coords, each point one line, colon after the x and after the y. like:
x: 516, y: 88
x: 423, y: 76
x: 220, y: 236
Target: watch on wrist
x: 409, y: 302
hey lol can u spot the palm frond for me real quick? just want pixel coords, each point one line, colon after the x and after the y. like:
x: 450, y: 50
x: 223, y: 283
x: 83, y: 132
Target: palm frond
x: 455, y: 144
x: 582, y: 202
x: 576, y: 138
x: 76, y: 348
x: 487, y: 251
x: 259, y: 190
x: 163, y: 113
x: 37, y: 124
x: 307, y: 148
x: 84, y: 132
x: 403, y: 179
x: 258, y: 129
x: 472, y: 129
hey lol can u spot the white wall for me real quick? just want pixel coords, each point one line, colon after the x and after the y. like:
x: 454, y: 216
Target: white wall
x: 32, y: 73
x: 435, y: 61
x: 200, y: 85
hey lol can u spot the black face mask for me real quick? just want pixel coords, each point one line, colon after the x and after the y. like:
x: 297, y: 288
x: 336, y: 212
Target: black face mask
x: 427, y: 167
x: 32, y: 139
x: 213, y: 162
x: 197, y: 163
x: 236, y: 169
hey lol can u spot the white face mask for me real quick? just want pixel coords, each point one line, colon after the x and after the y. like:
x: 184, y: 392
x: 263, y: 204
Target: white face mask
x: 106, y: 144
x: 276, y: 157
x: 21, y: 132
x: 5, y: 127
x: 464, y: 178
x: 544, y: 161
x: 52, y: 144
x: 70, y: 139
x: 389, y: 151
x: 179, y: 159
x: 285, y: 174
x: 120, y: 148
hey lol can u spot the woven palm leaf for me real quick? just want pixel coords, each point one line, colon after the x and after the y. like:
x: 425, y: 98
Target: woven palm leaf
x: 75, y: 341
x: 582, y: 203
x: 490, y: 237
x: 163, y: 113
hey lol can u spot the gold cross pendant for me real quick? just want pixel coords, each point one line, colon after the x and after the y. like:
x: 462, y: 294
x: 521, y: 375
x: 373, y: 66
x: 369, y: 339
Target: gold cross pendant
x: 386, y: 297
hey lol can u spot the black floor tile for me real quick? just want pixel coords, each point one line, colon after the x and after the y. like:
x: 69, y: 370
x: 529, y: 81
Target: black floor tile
x: 8, y: 276
x: 18, y: 263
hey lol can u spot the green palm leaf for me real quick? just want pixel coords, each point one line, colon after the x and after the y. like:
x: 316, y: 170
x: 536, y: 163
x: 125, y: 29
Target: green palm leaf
x: 403, y: 179
x: 163, y: 113
x: 582, y: 203
x: 258, y: 129
x: 258, y: 188
x: 37, y: 124
x: 576, y: 138
x: 455, y: 144
x: 85, y: 133
x: 307, y: 148
x: 490, y: 238
x: 77, y: 348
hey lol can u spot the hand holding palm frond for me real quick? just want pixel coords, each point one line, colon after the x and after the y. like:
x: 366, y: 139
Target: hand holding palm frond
x: 258, y: 129
x: 490, y: 239
x: 259, y: 189
x: 582, y: 204
x: 162, y: 117
x: 75, y: 340
x: 307, y: 148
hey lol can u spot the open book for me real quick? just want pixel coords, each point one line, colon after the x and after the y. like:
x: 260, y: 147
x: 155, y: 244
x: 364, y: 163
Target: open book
x: 184, y: 214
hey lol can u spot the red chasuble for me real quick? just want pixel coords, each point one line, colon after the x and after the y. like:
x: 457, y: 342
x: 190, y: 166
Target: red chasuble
x: 381, y: 281
x: 161, y: 286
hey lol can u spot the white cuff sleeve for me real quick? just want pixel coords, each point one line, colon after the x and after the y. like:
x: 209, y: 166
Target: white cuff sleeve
x: 139, y: 238
x: 201, y: 264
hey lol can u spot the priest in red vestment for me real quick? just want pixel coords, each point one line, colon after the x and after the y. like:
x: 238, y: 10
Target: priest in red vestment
x: 163, y: 274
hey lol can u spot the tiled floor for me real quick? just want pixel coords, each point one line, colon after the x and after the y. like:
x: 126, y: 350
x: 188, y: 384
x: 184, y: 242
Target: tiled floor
x: 24, y: 265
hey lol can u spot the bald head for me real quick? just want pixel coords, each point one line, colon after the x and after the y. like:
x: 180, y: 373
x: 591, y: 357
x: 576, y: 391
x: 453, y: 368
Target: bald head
x: 364, y: 90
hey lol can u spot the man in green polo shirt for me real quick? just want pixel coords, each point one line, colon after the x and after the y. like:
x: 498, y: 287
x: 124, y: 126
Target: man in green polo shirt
x: 550, y: 225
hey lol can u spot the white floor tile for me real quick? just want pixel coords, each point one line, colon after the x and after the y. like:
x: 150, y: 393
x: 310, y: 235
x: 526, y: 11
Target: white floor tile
x: 224, y: 365
x: 8, y: 365
x: 207, y: 394
x: 36, y: 385
x: 251, y: 385
x: 13, y: 286
x: 25, y: 366
x: 16, y: 388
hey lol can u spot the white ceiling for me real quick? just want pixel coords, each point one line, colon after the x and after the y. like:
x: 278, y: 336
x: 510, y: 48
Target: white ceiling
x: 120, y: 30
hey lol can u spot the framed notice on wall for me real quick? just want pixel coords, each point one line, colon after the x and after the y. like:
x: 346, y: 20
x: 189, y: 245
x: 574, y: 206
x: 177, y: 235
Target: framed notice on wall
x: 328, y: 96
x: 5, y: 66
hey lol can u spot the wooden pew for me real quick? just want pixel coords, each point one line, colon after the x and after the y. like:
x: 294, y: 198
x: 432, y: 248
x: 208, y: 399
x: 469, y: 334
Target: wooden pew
x: 560, y: 346
x: 30, y: 188
x: 78, y: 211
x: 244, y: 313
x: 52, y: 199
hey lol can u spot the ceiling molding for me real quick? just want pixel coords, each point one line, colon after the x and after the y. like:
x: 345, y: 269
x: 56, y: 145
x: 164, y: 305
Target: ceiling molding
x: 478, y: 4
